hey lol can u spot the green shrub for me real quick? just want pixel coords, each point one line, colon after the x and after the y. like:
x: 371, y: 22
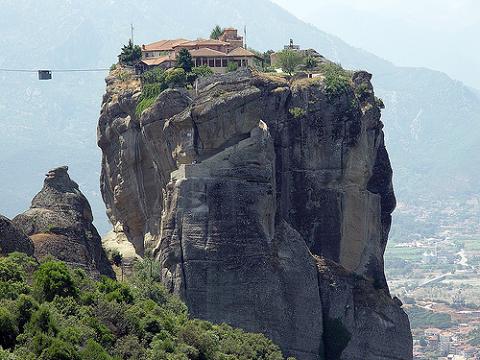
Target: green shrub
x: 11, y: 290
x: 310, y: 62
x: 203, y: 70
x: 289, y: 60
x: 42, y: 322
x: 25, y: 307
x: 297, y: 112
x: 115, y: 291
x: 7, y: 355
x: 8, y: 329
x: 94, y: 351
x: 14, y: 267
x: 116, y: 257
x: 143, y: 105
x: 129, y: 348
x: 232, y: 66
x: 198, y: 335
x: 103, y: 334
x: 59, y: 350
x: 155, y: 75
x: 130, y: 54
x: 337, y: 80
x: 13, y: 275
x: 53, y: 278
x: 150, y: 92
x: 175, y: 77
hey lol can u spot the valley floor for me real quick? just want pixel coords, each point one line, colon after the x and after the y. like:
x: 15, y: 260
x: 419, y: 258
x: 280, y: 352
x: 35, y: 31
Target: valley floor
x: 437, y: 279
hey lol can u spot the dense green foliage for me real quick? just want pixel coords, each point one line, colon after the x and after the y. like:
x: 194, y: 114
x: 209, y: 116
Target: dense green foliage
x: 232, y: 66
x: 337, y: 80
x: 53, y: 279
x: 296, y: 112
x: 130, y: 54
x: 289, y: 60
x: 217, y: 31
x: 423, y: 318
x: 150, y: 92
x: 55, y: 313
x: 157, y: 80
x: 310, y: 63
x: 176, y: 77
x: 203, y: 70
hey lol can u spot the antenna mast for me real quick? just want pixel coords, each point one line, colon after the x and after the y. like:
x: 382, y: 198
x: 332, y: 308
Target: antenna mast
x: 245, y: 35
x: 131, y: 30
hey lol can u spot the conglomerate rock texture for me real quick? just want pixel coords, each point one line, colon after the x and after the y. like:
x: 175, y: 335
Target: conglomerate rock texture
x: 59, y: 222
x: 267, y: 202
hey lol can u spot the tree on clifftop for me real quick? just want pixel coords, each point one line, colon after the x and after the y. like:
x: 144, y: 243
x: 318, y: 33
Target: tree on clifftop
x: 184, y: 60
x: 130, y: 54
x: 288, y: 60
x: 216, y: 32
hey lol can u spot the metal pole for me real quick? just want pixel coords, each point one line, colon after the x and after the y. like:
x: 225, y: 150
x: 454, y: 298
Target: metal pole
x: 131, y: 29
x: 245, y: 35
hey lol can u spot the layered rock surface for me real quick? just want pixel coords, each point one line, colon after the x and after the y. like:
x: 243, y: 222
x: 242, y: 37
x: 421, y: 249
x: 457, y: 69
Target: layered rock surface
x: 59, y: 222
x: 12, y: 239
x: 248, y: 191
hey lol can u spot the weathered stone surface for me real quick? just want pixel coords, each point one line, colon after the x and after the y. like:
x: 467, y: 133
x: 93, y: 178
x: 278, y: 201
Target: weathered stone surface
x: 13, y: 239
x: 376, y: 326
x: 59, y: 222
x: 235, y: 187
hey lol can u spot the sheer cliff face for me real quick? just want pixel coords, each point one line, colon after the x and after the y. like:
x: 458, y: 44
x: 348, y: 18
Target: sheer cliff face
x: 253, y: 192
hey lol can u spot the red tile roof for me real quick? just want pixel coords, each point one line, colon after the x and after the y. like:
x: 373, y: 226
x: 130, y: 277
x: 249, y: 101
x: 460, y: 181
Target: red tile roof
x: 241, y: 52
x: 206, y: 52
x: 164, y: 45
x: 203, y: 42
x: 157, y: 60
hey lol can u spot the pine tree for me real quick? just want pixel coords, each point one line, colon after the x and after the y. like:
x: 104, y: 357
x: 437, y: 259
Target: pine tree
x: 216, y: 32
x: 184, y: 60
x: 130, y: 54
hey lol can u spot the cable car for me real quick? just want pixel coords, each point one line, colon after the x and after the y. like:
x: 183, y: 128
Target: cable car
x: 44, y: 75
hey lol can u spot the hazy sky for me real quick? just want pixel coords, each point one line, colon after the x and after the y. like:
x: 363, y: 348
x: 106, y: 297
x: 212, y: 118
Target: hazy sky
x: 438, y: 34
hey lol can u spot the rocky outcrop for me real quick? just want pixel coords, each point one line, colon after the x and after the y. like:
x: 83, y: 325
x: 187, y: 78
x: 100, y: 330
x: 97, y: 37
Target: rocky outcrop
x: 59, y: 222
x: 12, y: 239
x: 360, y: 321
x: 243, y: 187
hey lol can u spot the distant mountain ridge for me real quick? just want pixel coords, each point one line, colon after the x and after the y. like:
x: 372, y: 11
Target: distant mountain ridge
x: 431, y: 121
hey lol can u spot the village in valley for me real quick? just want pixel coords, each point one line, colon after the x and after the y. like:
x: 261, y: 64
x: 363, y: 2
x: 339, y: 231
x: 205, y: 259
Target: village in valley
x: 434, y: 271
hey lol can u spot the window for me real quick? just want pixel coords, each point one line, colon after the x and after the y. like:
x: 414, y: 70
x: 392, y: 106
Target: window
x: 224, y: 63
x: 211, y: 62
